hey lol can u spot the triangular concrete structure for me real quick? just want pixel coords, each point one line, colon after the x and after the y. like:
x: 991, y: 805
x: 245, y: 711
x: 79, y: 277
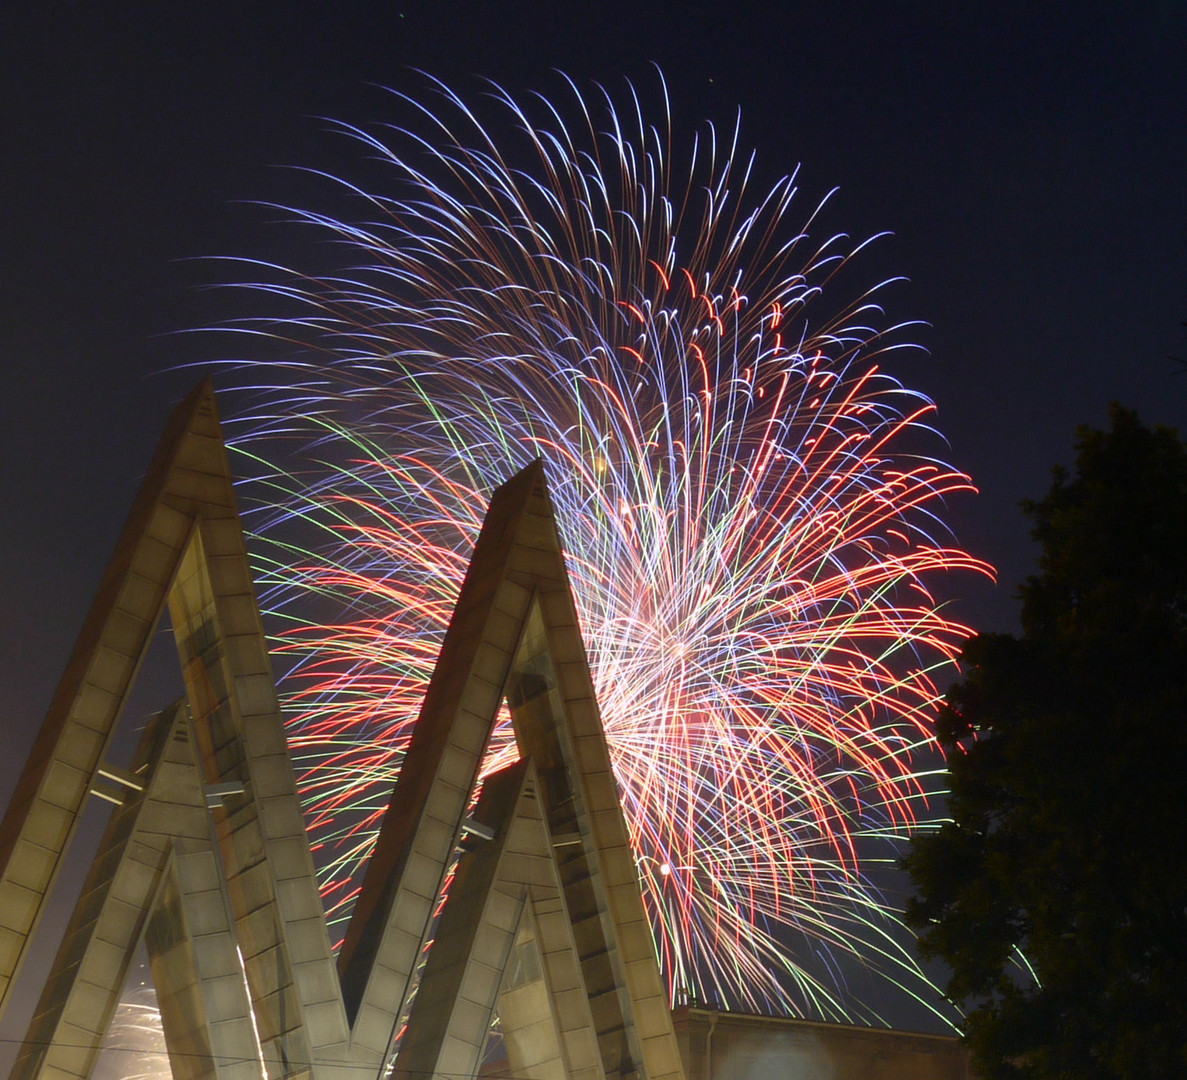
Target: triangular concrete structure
x: 514, y: 636
x: 207, y: 860
x: 183, y: 545
x: 158, y: 857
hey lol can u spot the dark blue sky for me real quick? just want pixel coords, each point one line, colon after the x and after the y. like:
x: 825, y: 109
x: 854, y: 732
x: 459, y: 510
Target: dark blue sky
x: 1032, y: 166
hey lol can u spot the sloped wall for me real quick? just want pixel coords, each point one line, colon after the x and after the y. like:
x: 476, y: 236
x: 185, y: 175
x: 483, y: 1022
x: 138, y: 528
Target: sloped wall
x: 737, y: 1046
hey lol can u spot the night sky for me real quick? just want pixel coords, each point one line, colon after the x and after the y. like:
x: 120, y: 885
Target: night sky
x: 1031, y: 166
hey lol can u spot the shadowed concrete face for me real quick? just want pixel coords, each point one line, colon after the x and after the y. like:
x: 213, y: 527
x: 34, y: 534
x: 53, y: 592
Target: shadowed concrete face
x: 736, y: 1046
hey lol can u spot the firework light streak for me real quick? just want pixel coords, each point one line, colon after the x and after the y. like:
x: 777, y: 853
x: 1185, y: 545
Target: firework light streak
x: 134, y: 1047
x: 748, y: 522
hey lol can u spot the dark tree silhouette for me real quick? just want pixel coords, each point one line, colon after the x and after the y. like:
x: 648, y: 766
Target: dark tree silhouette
x: 1067, y: 755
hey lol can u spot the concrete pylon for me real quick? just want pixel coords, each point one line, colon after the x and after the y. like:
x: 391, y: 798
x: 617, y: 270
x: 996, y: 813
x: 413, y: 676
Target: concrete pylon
x: 183, y: 546
x: 158, y: 875
x: 514, y: 636
x: 206, y: 858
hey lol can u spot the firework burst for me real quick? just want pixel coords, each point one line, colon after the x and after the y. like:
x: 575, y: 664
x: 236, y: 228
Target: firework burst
x: 749, y: 525
x: 134, y: 1047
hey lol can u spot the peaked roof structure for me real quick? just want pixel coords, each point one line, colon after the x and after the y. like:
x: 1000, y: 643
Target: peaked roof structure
x: 207, y: 861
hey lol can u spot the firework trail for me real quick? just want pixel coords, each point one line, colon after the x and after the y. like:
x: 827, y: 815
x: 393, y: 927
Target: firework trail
x: 134, y: 1047
x: 747, y: 512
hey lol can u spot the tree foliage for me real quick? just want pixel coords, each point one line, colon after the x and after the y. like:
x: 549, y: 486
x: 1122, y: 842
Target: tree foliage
x: 1067, y: 754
